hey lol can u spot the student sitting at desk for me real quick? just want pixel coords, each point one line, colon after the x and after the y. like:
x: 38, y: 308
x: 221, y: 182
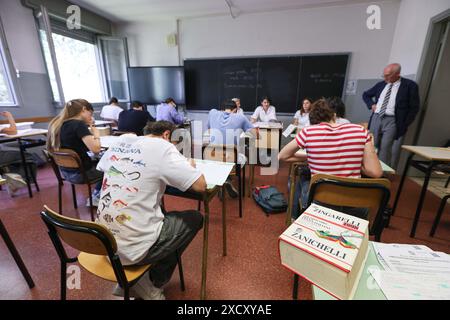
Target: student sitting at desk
x: 342, y: 150
x: 239, y: 110
x: 167, y: 111
x: 130, y: 204
x: 338, y: 106
x: 301, y: 117
x: 111, y: 111
x: 11, y: 160
x: 74, y: 129
x: 226, y: 127
x: 134, y: 119
x: 265, y: 112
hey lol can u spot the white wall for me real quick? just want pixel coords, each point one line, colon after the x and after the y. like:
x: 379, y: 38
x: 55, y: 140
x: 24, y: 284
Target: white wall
x: 147, y: 43
x: 21, y: 35
x: 319, y: 30
x: 411, y: 31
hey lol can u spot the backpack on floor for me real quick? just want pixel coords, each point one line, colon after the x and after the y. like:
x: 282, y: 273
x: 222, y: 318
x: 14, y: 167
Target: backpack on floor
x: 270, y: 199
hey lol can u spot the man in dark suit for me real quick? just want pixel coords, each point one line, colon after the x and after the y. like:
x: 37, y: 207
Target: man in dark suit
x: 394, y: 103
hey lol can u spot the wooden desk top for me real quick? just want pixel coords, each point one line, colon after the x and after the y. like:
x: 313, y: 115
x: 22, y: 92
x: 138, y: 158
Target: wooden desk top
x: 25, y: 133
x: 430, y: 153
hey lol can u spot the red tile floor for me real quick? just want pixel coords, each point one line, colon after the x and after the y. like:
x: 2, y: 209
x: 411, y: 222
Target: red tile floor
x: 251, y: 270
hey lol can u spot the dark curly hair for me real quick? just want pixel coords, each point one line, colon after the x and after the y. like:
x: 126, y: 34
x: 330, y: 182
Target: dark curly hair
x: 320, y: 112
x: 337, y: 105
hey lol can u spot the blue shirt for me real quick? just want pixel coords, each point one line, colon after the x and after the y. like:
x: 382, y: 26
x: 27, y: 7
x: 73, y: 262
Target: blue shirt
x: 167, y: 112
x: 225, y: 127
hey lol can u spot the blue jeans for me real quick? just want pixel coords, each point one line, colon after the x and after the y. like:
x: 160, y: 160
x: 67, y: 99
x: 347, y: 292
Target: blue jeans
x: 74, y: 176
x: 301, y: 193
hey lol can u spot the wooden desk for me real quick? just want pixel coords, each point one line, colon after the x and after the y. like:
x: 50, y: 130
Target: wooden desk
x: 20, y: 138
x: 367, y: 289
x: 104, y: 123
x: 214, y: 184
x: 434, y: 156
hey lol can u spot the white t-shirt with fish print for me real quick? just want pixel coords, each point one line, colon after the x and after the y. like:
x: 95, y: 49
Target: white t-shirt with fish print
x: 136, y: 172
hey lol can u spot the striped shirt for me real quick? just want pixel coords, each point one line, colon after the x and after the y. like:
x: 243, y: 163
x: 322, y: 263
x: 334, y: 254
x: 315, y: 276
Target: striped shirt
x: 334, y: 150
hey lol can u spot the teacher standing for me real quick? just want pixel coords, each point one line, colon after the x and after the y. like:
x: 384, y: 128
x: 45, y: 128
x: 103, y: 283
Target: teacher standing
x: 395, y: 104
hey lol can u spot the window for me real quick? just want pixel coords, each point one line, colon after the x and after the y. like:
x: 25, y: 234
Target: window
x: 78, y: 68
x: 7, y: 95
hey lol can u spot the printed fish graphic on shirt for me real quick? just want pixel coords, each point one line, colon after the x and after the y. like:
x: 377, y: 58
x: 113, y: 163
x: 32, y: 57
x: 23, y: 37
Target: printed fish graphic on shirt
x: 106, y: 201
x: 113, y: 172
x: 122, y: 218
x: 108, y: 218
x: 119, y: 204
x: 105, y: 184
x: 133, y: 175
x: 139, y: 163
x: 132, y: 189
x: 114, y: 158
x: 126, y: 160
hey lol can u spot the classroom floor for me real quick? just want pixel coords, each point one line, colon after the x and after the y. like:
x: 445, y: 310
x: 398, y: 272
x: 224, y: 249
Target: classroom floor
x: 251, y: 270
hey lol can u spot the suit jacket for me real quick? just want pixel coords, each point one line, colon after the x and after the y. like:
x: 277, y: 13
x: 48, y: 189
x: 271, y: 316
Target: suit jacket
x: 406, y: 103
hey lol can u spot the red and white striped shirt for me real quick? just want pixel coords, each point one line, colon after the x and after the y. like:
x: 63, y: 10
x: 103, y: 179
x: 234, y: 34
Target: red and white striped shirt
x: 334, y: 150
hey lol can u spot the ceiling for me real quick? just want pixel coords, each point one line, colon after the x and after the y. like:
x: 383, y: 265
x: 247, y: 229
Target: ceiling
x: 148, y: 10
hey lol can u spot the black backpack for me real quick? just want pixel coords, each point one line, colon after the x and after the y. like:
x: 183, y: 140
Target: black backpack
x: 270, y: 199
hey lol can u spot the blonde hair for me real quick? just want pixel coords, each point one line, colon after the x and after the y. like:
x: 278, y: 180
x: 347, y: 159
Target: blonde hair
x: 71, y: 110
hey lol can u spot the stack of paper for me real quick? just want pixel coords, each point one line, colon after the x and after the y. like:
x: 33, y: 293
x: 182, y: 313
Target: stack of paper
x: 412, y: 272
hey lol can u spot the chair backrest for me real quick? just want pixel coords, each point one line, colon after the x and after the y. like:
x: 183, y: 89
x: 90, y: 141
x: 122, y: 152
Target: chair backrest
x: 372, y: 194
x: 221, y: 152
x: 86, y: 236
x: 52, y: 162
x: 66, y: 158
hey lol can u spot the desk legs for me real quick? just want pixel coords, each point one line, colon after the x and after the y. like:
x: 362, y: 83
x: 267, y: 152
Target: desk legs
x: 205, y: 250
x: 25, y: 167
x: 402, y: 181
x: 16, y: 255
x: 224, y: 223
x: 421, y: 199
x: 291, y: 197
x: 239, y: 174
x: 251, y: 176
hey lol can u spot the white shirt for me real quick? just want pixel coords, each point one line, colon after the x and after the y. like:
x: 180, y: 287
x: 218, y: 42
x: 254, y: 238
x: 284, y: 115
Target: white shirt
x: 111, y: 112
x: 240, y: 111
x: 137, y: 170
x: 340, y: 121
x: 261, y: 116
x: 303, y: 119
x: 390, y: 108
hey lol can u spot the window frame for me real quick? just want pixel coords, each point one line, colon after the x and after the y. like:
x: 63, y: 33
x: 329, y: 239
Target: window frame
x: 8, y: 66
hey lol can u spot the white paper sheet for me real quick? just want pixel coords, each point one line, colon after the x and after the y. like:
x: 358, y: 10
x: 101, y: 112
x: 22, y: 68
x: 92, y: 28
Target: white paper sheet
x: 107, y: 141
x: 216, y: 173
x: 417, y: 259
x: 407, y: 286
x: 289, y: 130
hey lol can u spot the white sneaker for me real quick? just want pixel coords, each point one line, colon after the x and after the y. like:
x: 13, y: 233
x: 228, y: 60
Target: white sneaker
x: 143, y: 289
x: 14, y: 182
x: 95, y: 200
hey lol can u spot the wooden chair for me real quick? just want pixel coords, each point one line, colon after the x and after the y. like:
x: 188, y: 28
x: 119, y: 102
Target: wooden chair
x: 372, y: 194
x: 228, y: 153
x: 69, y: 159
x: 98, y: 251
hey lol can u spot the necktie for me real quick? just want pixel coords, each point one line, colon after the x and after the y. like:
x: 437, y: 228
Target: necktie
x: 385, y: 102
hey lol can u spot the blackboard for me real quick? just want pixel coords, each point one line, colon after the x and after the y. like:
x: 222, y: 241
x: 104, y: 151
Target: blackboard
x: 286, y: 80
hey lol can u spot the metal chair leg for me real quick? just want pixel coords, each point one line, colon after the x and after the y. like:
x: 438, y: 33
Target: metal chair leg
x: 295, y: 287
x: 91, y: 207
x: 63, y: 280
x: 12, y: 249
x: 74, y: 196
x: 60, y: 198
x: 438, y: 215
x: 180, y: 271
x: 33, y: 177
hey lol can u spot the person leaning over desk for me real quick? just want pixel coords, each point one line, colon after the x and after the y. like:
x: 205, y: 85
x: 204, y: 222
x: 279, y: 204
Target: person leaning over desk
x: 167, y: 111
x: 134, y: 119
x: 349, y: 147
x: 111, y: 111
x: 73, y: 128
x: 133, y: 187
x: 265, y: 112
x: 239, y: 109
